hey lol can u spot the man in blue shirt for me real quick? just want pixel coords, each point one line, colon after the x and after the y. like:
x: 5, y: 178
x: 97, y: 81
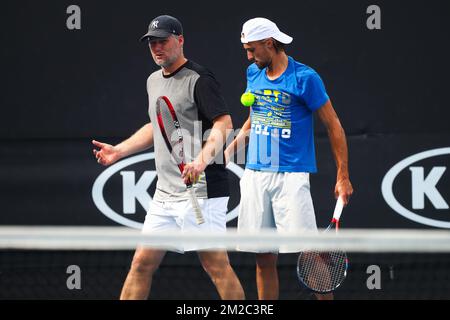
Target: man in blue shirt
x: 275, y: 189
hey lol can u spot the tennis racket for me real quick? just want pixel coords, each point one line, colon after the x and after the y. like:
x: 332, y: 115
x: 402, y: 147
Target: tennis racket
x: 323, y: 272
x: 171, y: 131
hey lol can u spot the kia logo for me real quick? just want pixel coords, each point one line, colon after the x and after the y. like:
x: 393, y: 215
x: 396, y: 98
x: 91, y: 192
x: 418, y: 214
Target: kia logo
x: 133, y: 191
x: 421, y: 186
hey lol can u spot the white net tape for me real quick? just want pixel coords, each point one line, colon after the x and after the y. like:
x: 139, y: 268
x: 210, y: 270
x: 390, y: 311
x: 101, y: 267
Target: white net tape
x: 121, y: 238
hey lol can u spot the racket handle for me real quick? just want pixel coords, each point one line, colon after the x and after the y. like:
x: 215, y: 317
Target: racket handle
x: 195, y: 205
x: 338, y: 209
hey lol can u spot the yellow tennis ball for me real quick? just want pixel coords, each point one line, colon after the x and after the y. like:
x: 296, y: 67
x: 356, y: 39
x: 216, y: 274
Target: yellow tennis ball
x: 247, y: 99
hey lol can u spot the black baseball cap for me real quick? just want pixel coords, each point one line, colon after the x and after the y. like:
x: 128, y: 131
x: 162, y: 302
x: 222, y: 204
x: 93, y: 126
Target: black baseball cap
x: 162, y: 27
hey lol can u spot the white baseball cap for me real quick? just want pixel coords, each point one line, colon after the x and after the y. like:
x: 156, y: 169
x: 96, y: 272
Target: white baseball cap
x: 261, y: 28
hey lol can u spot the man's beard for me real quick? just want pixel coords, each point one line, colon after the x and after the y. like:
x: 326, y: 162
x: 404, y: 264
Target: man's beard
x: 265, y: 65
x: 168, y: 62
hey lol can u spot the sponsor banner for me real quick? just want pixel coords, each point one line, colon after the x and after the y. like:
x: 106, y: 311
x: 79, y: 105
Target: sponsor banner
x: 136, y: 190
x: 399, y: 182
x: 426, y: 174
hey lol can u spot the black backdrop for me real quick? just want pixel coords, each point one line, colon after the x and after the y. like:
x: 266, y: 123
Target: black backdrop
x: 61, y: 88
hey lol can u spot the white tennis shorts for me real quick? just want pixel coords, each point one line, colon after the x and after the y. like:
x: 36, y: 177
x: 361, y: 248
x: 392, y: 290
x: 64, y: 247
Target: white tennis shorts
x: 179, y: 216
x: 280, y: 200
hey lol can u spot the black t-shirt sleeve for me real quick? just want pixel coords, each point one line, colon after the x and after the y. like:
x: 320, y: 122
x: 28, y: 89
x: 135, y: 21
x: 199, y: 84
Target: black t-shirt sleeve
x: 208, y: 98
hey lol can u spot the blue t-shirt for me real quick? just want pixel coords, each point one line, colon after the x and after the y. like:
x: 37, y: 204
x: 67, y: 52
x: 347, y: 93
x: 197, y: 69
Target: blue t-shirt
x: 282, y: 133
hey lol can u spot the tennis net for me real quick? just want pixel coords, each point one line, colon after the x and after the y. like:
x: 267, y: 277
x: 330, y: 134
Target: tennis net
x: 92, y: 262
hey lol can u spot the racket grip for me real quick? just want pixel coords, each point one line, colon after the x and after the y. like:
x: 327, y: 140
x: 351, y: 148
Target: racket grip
x: 195, y: 205
x: 338, y: 209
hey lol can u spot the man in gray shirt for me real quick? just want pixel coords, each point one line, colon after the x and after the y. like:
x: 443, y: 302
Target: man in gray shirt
x: 201, y: 110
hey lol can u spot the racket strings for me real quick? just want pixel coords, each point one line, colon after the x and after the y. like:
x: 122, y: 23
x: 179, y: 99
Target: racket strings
x: 322, y: 271
x: 174, y: 137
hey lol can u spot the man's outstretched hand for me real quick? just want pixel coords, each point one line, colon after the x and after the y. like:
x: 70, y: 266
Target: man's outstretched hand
x: 106, y: 154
